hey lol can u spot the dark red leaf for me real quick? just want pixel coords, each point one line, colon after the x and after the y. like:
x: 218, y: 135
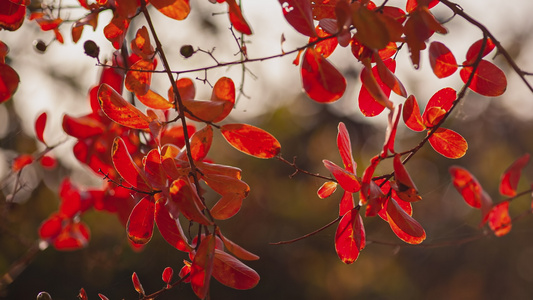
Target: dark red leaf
x: 167, y: 275
x: 233, y: 273
x: 140, y: 225
x: 321, y: 81
x: 511, y: 176
x: 299, y: 14
x: 392, y: 127
x: 441, y: 60
x: 11, y: 15
x: 412, y: 4
x: 127, y: 168
x: 251, y: 140
x: 137, y: 283
x: 235, y: 249
x: 9, y: 81
x: 488, y: 80
x: 51, y: 227
x: 404, y: 185
x: 448, y: 143
x: 40, y: 124
x: 350, y: 237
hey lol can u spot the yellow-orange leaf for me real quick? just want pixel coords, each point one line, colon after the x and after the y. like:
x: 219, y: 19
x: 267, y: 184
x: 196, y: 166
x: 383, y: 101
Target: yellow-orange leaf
x: 175, y: 9
x: 154, y: 100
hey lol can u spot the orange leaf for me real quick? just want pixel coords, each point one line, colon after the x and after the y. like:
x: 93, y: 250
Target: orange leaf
x: 11, y: 15
x: 185, y: 88
x: 441, y: 60
x: 321, y: 81
x: 174, y: 9
x: 411, y: 114
x: 350, y: 236
x: 154, y: 100
x: 511, y: 176
x: 488, y: 80
x: 473, y: 194
x: 155, y: 174
x: 141, y: 44
x: 499, y: 219
x: 202, y: 267
x: 438, y: 105
x: 233, y: 192
x: 323, y: 9
x: 184, y: 197
x: 201, y: 142
x: 251, y: 140
x: 139, y: 78
x: 392, y: 127
x: 327, y: 189
x: 237, y: 19
x: 9, y: 82
x: 448, y: 143
x: 347, y: 180
x: 404, y: 185
x: 140, y: 225
x: 116, y: 30
x: 21, y: 161
x: 412, y: 4
x: 204, y: 111
x: 127, y: 168
x: 233, y: 273
x: 403, y: 225
x: 126, y: 8
x: 299, y: 14
x: 224, y: 91
x: 170, y: 228
x: 120, y: 110
x: 40, y: 124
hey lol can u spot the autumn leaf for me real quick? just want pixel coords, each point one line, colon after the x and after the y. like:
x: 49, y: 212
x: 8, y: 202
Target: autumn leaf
x: 441, y: 59
x: 473, y: 194
x: 186, y: 200
x: 11, y: 15
x: 321, y: 81
x: 448, y: 143
x: 438, y: 105
x: 235, y: 249
x: 116, y: 30
x: 474, y: 51
x: 327, y: 189
x: 82, y: 127
x: 350, y: 237
x: 153, y: 100
x: 224, y: 92
x: 251, y: 140
x: 499, y: 219
x: 386, y: 74
x: 139, y: 77
x: 40, y: 124
x: 202, y: 267
x: 140, y: 225
x: 345, y: 148
x: 347, y: 180
x: 511, y: 176
x: 201, y: 142
x: 374, y: 94
x: 403, y: 184
x: 141, y: 44
x: 488, y: 80
x: 120, y: 110
x: 174, y: 9
x: 403, y: 225
x: 237, y: 19
x: 392, y: 127
x: 411, y: 115
x: 233, y: 273
x: 127, y: 168
x: 170, y: 228
x: 9, y: 82
x: 299, y: 15
x: 325, y: 47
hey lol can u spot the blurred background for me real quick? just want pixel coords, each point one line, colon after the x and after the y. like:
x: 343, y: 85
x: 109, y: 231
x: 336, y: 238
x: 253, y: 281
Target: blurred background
x: 279, y: 207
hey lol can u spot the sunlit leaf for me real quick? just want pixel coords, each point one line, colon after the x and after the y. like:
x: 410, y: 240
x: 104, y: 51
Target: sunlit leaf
x: 299, y: 14
x: 386, y: 74
x: 321, y: 81
x: 40, y: 124
x: 347, y: 180
x: 441, y: 60
x: 412, y: 4
x: 186, y: 89
x: 251, y: 140
x: 175, y: 9
x: 141, y: 222
x: 448, y: 143
x: 511, y: 176
x: 11, y: 15
x: 488, y: 80
x: 120, y: 110
x: 82, y: 127
x: 154, y: 171
x: 403, y: 225
x: 419, y: 27
x: 346, y: 203
x: 77, y: 28
x: 224, y: 91
x: 350, y: 237
x: 51, y: 227
x: 438, y: 105
x: 139, y: 77
x: 499, y: 219
x: 201, y: 142
x: 141, y: 44
x: 9, y: 82
x: 116, y: 30
x: 404, y: 185
x: 233, y: 273
x: 345, y: 148
x: 170, y: 228
x: 327, y: 189
x: 185, y: 198
x: 392, y: 127
x: 374, y: 94
x: 237, y: 19
x: 325, y: 47
x: 472, y: 192
x: 473, y: 52
x: 411, y: 114
x: 166, y: 276
x: 127, y: 168
x: 74, y: 235
x: 232, y: 190
x: 154, y: 100
x: 202, y: 267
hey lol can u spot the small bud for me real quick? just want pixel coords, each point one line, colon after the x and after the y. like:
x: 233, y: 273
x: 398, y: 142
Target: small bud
x: 91, y: 49
x: 40, y: 46
x: 187, y: 51
x: 44, y: 296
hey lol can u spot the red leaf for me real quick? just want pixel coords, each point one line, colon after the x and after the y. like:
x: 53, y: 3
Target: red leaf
x: 350, y: 237
x: 170, y: 228
x: 127, y: 168
x: 51, y: 227
x: 154, y: 100
x: 325, y: 47
x: 448, y: 143
x: 224, y: 91
x: 442, y: 60
x: 392, y: 127
x: 137, y: 283
x: 347, y: 180
x: 153, y: 170
x: 233, y: 192
x: 346, y: 203
x: 120, y: 110
x: 321, y: 81
x: 511, y: 176
x: 327, y: 189
x: 186, y: 89
x: 9, y: 81
x: 404, y: 185
x: 251, y: 140
x: 237, y: 19
x: 299, y: 14
x: 75, y: 235
x: 374, y: 94
x: 324, y: 9
x: 468, y: 186
x: 439, y: 104
x: 167, y: 275
x: 345, y: 148
x: 488, y: 80
x: 474, y: 50
x: 116, y: 30
x: 21, y: 161
x: 48, y: 162
x: 411, y: 115
x: 233, y: 273
x: 201, y: 142
x: 139, y: 78
x: 40, y: 124
x: 202, y: 267
x: 235, y: 249
x: 386, y: 74
x: 185, y: 198
x: 140, y: 225
x: 11, y: 15
x: 403, y: 225
x: 412, y: 4
x: 174, y: 9
x: 499, y: 219
x: 82, y: 127
x: 82, y: 295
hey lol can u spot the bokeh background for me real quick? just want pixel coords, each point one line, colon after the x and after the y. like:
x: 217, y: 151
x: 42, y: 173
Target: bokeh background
x: 279, y: 207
